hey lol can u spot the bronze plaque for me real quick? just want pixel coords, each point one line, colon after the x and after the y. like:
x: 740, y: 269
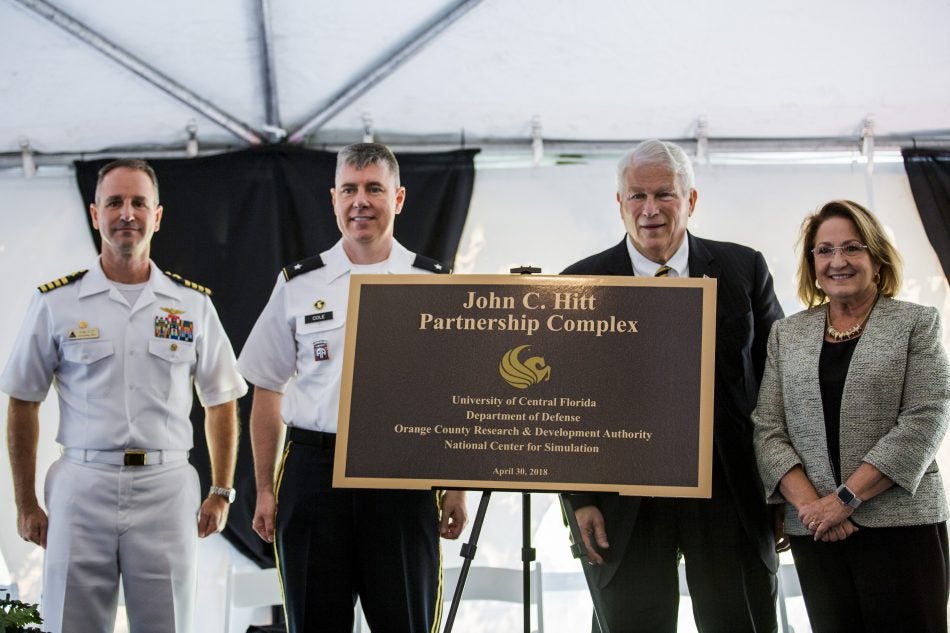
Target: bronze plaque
x: 551, y: 383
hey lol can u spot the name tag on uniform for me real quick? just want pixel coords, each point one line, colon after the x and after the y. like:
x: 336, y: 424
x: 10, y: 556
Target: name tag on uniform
x: 318, y: 317
x: 84, y: 333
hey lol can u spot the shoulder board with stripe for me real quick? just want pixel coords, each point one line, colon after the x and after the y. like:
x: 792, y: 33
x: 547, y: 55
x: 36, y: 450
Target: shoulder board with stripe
x: 178, y: 279
x: 301, y: 267
x: 62, y: 281
x: 427, y: 263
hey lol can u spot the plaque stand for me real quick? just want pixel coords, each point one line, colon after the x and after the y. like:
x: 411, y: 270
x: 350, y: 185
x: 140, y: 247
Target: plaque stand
x: 468, y: 553
x: 528, y: 553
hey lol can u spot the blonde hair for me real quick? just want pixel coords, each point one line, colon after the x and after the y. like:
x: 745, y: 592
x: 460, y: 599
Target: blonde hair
x: 872, y: 235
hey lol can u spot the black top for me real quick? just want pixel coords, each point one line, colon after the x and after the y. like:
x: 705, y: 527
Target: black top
x: 832, y: 371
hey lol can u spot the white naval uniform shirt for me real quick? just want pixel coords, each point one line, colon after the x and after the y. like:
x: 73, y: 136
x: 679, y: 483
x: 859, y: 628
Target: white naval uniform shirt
x: 296, y: 346
x: 123, y: 373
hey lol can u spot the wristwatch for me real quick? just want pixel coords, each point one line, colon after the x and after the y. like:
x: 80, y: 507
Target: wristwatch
x: 227, y: 493
x: 847, y: 497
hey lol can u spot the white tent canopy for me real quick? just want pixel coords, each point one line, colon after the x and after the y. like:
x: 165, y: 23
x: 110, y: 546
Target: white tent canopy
x: 87, y: 77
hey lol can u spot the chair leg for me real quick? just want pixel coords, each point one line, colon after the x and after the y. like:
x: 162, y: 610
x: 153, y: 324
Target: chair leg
x: 782, y: 607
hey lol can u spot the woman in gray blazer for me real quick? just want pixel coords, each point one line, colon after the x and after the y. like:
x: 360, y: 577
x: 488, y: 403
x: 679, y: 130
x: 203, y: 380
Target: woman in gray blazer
x: 853, y: 406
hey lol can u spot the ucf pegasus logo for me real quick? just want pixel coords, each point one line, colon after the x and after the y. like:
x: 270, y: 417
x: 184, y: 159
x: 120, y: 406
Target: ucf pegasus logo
x: 522, y: 375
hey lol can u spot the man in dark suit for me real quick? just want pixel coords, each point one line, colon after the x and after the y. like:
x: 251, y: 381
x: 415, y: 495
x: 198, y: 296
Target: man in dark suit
x: 727, y: 541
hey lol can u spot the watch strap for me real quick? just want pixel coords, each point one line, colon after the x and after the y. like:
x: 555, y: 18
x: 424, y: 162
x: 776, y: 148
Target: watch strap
x: 227, y: 493
x: 847, y: 497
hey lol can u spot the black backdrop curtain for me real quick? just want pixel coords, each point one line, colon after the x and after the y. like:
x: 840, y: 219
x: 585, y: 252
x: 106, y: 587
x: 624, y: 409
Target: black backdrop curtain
x: 928, y: 171
x: 232, y: 221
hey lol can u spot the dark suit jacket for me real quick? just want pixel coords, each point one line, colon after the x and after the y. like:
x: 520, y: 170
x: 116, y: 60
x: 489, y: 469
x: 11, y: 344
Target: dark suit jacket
x: 746, y: 307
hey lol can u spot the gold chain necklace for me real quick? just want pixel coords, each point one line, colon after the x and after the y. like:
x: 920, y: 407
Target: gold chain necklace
x: 852, y: 331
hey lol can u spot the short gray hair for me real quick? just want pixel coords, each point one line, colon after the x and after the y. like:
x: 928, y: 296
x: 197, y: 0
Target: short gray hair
x: 362, y: 155
x: 656, y: 152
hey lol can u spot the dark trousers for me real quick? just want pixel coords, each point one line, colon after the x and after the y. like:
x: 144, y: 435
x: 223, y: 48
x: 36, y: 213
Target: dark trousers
x: 878, y: 579
x: 336, y: 544
x: 731, y: 588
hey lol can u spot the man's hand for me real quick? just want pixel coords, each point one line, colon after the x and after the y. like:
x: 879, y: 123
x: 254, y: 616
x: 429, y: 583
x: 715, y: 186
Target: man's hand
x: 454, y: 515
x: 264, y: 513
x: 591, y: 524
x: 23, y: 432
x: 32, y: 524
x: 213, y: 515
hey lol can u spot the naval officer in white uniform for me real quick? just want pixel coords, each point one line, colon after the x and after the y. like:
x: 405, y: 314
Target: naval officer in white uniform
x: 124, y: 344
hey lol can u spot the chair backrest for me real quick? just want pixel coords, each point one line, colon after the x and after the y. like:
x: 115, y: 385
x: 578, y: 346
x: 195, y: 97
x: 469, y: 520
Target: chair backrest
x: 496, y: 583
x: 501, y: 584
x: 492, y: 583
x: 251, y: 588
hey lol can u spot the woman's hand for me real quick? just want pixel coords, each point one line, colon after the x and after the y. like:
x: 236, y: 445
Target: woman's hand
x: 839, y: 532
x: 823, y: 515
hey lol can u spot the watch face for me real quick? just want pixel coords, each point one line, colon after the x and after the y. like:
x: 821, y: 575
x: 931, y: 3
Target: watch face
x: 845, y: 495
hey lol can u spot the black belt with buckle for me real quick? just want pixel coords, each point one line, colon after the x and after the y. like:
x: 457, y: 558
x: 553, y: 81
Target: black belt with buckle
x: 312, y: 438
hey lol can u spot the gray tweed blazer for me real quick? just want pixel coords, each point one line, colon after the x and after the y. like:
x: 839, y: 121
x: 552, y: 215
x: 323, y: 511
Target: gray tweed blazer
x: 894, y: 413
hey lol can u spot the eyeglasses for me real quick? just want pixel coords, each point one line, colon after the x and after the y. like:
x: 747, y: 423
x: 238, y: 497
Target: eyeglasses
x: 848, y: 250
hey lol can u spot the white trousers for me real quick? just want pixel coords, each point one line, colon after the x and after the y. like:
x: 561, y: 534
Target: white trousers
x: 137, y: 522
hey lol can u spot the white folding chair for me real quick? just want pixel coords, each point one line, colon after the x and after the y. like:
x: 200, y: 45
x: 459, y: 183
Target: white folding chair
x: 251, y: 588
x: 788, y: 587
x: 500, y: 584
x: 11, y: 590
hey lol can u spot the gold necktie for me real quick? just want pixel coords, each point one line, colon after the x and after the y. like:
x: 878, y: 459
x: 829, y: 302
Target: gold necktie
x: 662, y: 271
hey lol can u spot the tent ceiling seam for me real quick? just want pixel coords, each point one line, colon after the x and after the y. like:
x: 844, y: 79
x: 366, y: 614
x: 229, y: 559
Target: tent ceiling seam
x: 571, y: 149
x: 268, y: 68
